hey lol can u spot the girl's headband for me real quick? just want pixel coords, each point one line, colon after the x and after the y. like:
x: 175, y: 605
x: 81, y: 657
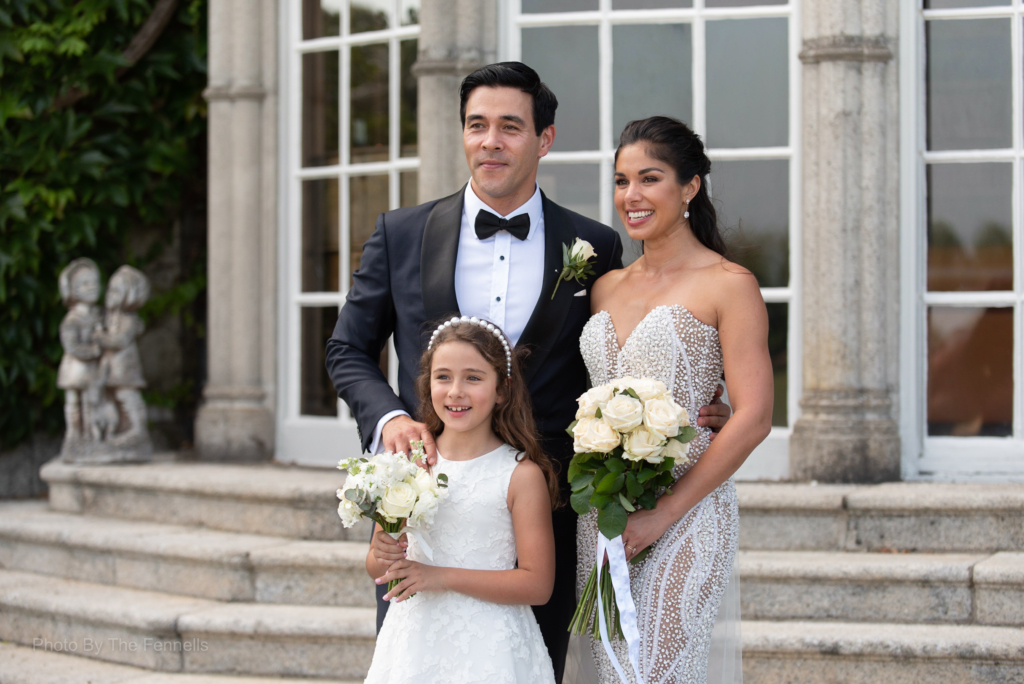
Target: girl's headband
x: 489, y: 327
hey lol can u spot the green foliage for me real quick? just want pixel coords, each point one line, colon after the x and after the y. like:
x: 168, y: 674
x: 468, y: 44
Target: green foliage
x: 76, y: 180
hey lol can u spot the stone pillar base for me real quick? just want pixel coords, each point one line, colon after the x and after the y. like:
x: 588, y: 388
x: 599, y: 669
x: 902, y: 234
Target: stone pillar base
x: 234, y: 425
x: 845, y: 436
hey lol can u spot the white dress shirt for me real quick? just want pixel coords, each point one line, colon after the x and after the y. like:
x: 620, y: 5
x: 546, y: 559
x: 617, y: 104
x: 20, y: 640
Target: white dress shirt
x: 498, y: 279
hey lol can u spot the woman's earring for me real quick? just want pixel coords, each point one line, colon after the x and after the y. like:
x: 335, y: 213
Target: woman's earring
x: 686, y: 214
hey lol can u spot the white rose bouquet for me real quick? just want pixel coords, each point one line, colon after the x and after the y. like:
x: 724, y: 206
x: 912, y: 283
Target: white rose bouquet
x: 391, y: 490
x: 628, y: 435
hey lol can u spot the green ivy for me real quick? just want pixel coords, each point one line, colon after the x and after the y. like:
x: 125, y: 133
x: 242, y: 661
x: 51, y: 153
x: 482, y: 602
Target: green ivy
x: 76, y: 180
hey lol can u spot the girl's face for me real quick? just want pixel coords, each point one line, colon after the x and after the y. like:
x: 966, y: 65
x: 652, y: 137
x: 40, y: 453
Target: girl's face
x: 115, y: 293
x: 463, y: 387
x: 649, y: 200
x: 85, y: 286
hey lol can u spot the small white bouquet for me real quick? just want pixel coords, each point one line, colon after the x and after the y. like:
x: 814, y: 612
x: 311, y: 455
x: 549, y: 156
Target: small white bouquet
x: 628, y: 435
x: 393, y: 491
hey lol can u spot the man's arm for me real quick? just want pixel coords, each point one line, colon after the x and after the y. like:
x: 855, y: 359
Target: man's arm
x: 365, y: 323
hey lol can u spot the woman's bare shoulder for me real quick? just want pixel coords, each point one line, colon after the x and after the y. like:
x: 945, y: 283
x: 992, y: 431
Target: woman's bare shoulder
x: 605, y: 285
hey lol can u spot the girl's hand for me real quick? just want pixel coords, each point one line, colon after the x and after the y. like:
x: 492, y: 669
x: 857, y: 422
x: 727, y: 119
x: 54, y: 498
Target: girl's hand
x: 416, y: 577
x: 643, y: 528
x: 386, y: 549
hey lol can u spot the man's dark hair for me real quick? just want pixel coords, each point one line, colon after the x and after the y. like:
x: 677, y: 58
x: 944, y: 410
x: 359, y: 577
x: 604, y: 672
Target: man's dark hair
x: 513, y: 75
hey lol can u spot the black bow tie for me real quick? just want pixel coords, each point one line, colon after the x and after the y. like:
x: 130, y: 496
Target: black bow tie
x: 487, y: 224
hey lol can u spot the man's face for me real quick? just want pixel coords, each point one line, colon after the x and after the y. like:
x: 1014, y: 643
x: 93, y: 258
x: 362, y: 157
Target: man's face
x: 502, y: 147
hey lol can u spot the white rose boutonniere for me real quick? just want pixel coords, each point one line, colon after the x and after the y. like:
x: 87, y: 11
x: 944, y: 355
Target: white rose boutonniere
x: 575, y: 262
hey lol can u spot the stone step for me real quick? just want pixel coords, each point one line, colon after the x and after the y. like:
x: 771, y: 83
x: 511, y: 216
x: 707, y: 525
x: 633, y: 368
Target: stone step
x: 256, y: 499
x: 26, y: 665
x: 882, y: 587
x: 169, y: 633
x: 869, y: 653
x: 898, y: 516
x: 183, y: 560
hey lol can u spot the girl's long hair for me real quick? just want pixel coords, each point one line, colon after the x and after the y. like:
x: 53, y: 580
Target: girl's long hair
x: 674, y: 143
x: 512, y: 419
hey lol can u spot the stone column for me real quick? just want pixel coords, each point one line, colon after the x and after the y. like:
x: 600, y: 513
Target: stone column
x: 847, y: 431
x: 236, y: 420
x: 456, y: 37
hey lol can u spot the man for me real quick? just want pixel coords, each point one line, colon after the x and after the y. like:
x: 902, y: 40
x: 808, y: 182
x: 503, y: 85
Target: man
x: 492, y: 250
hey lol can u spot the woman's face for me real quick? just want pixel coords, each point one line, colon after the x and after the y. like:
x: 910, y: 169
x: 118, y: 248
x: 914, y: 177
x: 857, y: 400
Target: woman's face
x: 463, y: 387
x: 649, y: 199
x: 85, y: 286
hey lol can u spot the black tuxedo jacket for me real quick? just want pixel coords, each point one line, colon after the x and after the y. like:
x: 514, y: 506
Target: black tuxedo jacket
x: 405, y: 286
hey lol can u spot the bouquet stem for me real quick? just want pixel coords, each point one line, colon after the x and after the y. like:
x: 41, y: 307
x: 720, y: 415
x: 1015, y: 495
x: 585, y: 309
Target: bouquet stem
x: 395, y: 530
x: 586, y: 610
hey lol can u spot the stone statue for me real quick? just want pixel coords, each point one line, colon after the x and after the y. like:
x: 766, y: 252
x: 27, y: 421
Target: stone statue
x: 101, y: 372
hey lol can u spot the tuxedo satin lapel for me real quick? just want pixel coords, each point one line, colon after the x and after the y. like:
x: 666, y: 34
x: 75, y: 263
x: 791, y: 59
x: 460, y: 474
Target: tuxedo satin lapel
x: 548, y: 318
x: 438, y: 254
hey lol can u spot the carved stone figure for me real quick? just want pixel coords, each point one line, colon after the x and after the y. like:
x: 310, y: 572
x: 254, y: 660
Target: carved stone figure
x: 101, y: 371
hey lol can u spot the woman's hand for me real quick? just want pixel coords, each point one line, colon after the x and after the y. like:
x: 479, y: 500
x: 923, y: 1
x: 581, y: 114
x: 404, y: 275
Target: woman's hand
x: 416, y: 577
x: 386, y: 549
x: 643, y: 528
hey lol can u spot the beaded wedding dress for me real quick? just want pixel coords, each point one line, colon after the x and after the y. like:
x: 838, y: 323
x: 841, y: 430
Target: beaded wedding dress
x: 678, y: 588
x: 447, y: 637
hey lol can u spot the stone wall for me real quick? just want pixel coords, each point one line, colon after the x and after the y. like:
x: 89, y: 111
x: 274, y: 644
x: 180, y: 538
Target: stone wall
x: 19, y: 467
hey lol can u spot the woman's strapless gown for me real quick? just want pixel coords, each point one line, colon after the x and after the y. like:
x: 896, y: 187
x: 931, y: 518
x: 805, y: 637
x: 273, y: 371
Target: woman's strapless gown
x: 447, y: 637
x: 678, y: 588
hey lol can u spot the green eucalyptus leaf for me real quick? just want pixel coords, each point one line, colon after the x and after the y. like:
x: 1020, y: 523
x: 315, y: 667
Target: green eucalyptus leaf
x: 612, y: 520
x: 686, y: 434
x: 625, y: 503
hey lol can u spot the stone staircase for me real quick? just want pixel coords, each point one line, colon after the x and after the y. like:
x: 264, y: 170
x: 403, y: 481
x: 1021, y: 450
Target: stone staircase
x: 186, y: 573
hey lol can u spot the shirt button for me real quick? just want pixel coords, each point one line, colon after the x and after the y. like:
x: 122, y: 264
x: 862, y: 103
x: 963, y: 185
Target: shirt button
x: 498, y: 298
x: 501, y: 258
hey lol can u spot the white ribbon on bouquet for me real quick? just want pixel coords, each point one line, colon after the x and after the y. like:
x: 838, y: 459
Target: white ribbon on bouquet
x: 618, y: 567
x: 421, y: 537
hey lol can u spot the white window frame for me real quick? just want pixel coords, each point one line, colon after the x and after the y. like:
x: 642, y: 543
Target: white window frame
x: 771, y: 459
x: 324, y: 440
x: 950, y: 458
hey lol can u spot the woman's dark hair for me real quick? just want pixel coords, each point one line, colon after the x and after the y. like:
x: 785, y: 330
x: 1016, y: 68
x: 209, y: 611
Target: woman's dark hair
x: 513, y: 75
x: 674, y: 143
x: 512, y: 419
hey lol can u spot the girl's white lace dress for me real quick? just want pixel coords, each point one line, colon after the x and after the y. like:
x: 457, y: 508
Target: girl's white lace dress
x: 441, y: 637
x: 677, y: 589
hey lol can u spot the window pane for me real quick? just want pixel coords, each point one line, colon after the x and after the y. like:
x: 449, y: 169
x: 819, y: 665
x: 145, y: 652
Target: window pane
x: 969, y: 217
x: 950, y: 4
x: 970, y: 371
x: 369, y: 103
x: 369, y: 15
x: 409, y: 12
x: 368, y: 199
x: 969, y: 84
x: 566, y: 59
x: 641, y: 53
x: 650, y: 4
x: 748, y: 83
x: 778, y: 340
x: 409, y: 188
x: 751, y: 198
x: 320, y: 235
x: 574, y: 186
x: 316, y: 395
x: 320, y: 18
x: 320, y: 109
x: 534, y: 6
x: 408, y: 138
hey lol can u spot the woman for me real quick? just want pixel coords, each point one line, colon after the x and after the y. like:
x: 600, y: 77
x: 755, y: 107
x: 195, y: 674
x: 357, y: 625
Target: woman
x: 682, y: 314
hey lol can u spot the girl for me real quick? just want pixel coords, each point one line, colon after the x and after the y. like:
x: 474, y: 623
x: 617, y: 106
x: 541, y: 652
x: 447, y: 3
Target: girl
x: 465, y: 616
